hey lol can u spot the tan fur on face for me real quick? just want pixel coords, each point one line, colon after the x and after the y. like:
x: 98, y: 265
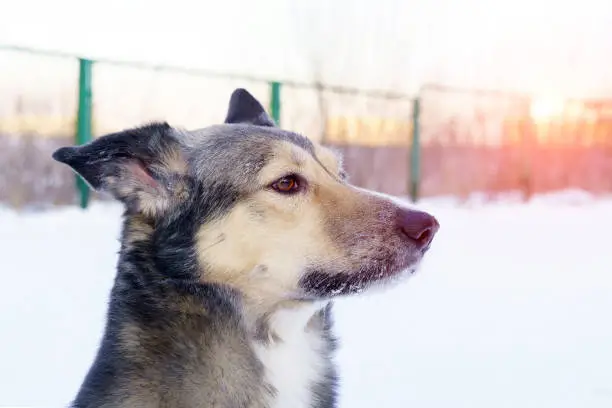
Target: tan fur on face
x: 328, y: 159
x: 264, y: 244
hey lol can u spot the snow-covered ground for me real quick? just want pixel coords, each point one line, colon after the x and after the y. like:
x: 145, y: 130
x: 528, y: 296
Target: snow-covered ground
x: 512, y: 308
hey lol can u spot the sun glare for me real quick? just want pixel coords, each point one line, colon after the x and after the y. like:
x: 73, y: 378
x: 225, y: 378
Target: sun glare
x: 546, y: 108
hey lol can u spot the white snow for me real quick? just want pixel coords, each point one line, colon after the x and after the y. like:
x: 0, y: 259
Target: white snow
x: 511, y: 308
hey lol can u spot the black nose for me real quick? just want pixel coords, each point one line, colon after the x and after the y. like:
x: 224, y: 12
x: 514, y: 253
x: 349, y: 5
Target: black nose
x: 419, y: 226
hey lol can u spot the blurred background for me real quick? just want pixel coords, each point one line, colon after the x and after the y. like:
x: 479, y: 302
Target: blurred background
x: 504, y: 108
x: 425, y: 98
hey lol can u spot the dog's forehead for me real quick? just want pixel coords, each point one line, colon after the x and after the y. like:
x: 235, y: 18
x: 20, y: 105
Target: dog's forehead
x: 237, y: 136
x: 236, y: 149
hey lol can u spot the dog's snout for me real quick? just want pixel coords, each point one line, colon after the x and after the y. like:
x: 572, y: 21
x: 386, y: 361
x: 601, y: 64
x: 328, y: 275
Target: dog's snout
x: 419, y: 226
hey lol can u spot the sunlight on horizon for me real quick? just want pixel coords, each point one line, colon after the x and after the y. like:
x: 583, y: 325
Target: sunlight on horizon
x: 546, y: 108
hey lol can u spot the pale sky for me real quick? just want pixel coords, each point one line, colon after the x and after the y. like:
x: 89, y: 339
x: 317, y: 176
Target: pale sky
x: 558, y: 47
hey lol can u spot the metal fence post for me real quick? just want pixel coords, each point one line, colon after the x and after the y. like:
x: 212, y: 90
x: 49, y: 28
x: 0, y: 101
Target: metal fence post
x: 415, y: 151
x: 275, y: 101
x: 83, y: 131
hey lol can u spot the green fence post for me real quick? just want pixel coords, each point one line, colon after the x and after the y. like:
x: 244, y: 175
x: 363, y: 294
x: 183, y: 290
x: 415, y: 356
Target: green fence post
x: 83, y: 131
x: 415, y: 151
x: 275, y: 101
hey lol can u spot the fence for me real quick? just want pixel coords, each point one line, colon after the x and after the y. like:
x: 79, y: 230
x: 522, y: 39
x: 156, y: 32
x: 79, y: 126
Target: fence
x: 493, y: 142
x: 441, y: 141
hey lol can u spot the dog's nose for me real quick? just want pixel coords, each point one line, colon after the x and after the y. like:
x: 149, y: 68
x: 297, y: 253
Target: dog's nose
x: 419, y: 226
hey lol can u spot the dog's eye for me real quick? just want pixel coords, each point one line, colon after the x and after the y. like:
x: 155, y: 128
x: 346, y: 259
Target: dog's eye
x: 287, y: 185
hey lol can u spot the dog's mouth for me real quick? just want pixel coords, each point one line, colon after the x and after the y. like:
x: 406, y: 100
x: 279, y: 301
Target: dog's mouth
x: 324, y: 282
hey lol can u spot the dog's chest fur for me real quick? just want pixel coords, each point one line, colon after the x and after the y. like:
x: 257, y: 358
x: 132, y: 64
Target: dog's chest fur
x: 293, y: 359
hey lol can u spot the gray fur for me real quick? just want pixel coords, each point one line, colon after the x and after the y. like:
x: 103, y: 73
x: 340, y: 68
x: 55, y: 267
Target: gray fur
x: 235, y: 152
x: 171, y: 341
x: 172, y: 338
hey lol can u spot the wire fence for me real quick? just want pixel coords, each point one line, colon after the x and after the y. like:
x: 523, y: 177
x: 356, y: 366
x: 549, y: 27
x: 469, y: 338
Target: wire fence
x: 442, y: 141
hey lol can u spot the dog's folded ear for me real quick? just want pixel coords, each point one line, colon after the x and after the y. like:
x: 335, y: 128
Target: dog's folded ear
x: 142, y: 167
x: 244, y: 108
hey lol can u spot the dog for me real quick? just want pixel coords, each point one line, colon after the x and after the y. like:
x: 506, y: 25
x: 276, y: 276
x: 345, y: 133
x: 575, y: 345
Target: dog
x: 236, y: 240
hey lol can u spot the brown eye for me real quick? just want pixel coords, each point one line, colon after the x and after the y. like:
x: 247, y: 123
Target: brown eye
x: 287, y: 184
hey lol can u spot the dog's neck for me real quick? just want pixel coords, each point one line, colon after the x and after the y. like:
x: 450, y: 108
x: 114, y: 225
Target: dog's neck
x: 284, y: 319
x: 259, y: 311
x: 293, y: 353
x: 265, y: 355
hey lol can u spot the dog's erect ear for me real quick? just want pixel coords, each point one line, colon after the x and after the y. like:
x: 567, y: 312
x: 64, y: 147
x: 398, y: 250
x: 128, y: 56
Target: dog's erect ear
x: 244, y: 108
x: 142, y: 167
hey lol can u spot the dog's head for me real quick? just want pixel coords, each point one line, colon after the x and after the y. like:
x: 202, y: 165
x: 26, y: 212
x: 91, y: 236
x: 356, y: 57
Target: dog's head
x: 263, y: 210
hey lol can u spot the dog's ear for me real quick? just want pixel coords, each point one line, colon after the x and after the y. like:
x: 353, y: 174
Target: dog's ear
x: 142, y: 167
x: 244, y: 108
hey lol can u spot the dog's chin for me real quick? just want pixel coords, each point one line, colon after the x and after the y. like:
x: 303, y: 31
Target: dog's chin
x: 328, y: 282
